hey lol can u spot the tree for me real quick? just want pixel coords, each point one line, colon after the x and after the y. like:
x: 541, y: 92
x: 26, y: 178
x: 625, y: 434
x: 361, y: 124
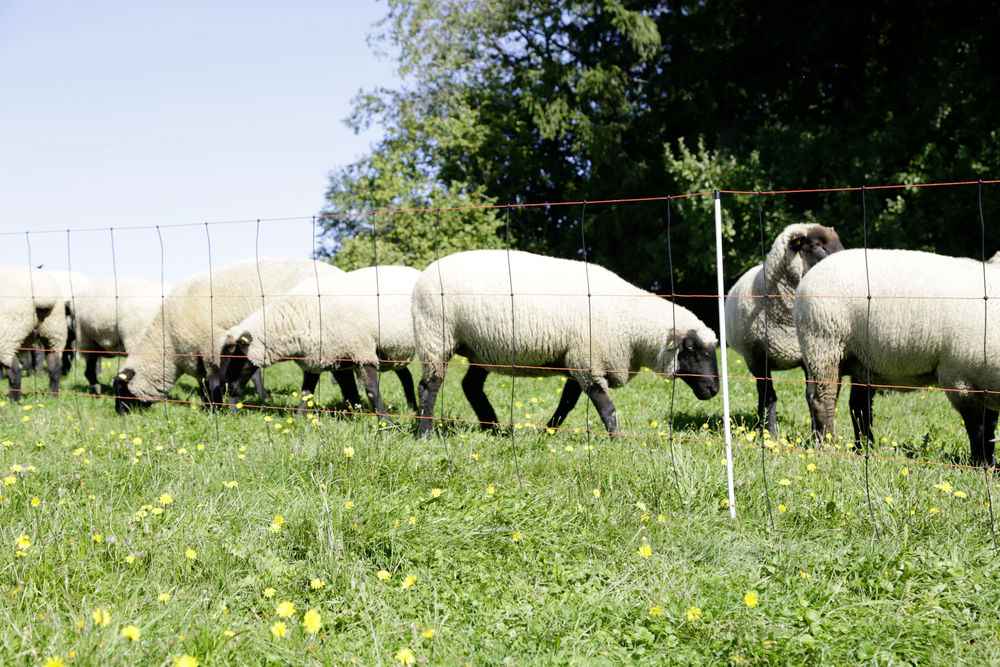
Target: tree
x: 515, y: 101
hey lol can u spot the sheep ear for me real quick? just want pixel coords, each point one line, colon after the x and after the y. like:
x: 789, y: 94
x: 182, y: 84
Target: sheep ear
x: 126, y: 375
x: 796, y: 242
x: 244, y: 340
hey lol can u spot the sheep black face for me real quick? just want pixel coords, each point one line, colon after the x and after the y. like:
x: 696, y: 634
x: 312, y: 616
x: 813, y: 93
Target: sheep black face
x: 816, y: 245
x: 236, y: 368
x: 125, y: 400
x: 698, y: 366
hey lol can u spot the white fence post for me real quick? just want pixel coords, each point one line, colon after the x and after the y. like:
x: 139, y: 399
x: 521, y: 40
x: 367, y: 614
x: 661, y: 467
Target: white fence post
x: 724, y: 372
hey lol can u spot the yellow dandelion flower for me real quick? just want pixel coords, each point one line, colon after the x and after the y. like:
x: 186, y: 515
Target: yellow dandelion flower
x: 436, y: 492
x: 932, y: 510
x: 944, y: 486
x: 597, y: 493
x: 959, y: 494
x: 317, y: 584
x: 656, y: 610
x: 491, y: 490
x: 35, y: 502
x: 53, y: 661
x: 285, y: 609
x: 409, y: 581
x: 163, y: 597
x: 132, y: 632
x: 312, y: 621
x: 413, y: 521
x: 384, y: 575
x: 228, y: 633
x: 516, y: 537
x: 645, y: 551
x: 348, y: 452
x: 191, y: 554
x: 904, y: 472
x: 660, y: 518
x: 166, y: 499
x: 9, y: 480
x: 96, y: 537
x: 101, y: 617
x: 279, y: 629
x: 130, y: 559
x: 186, y: 661
x: 785, y: 482
x: 751, y: 599
x: 229, y: 485
x: 405, y: 656
x: 349, y: 505
x: 693, y: 613
x: 269, y: 592
x: 22, y: 542
x: 811, y: 467
x: 428, y: 633
x: 782, y: 508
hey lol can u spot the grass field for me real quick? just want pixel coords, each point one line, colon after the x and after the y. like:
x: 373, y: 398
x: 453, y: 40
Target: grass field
x: 270, y: 536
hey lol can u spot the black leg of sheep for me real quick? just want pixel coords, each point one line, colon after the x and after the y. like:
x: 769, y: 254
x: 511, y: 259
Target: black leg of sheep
x: 14, y: 377
x: 406, y: 379
x: 980, y: 438
x: 860, y: 404
x: 348, y: 387
x: 570, y: 395
x: 472, y: 385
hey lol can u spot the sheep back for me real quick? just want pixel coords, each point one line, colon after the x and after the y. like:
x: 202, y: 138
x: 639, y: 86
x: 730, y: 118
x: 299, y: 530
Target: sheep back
x: 927, y: 320
x: 555, y: 324
x: 28, y: 302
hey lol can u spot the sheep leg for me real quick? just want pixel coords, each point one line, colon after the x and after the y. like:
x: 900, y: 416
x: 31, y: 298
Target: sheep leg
x: 823, y: 401
x: 348, y: 387
x: 605, y: 407
x: 90, y: 372
x: 258, y: 383
x: 309, y: 382
x: 406, y: 380
x: 14, y: 377
x: 428, y: 391
x: 860, y: 404
x: 213, y: 389
x: 53, y: 359
x: 370, y: 374
x: 472, y: 385
x: 570, y: 395
x: 980, y: 433
x: 767, y: 398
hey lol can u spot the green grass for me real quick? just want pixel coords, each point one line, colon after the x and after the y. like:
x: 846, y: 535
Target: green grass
x: 549, y: 571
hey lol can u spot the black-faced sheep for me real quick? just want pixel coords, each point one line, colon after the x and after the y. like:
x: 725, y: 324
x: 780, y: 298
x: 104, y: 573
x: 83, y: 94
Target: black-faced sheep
x: 187, y: 336
x: 31, y: 304
x: 759, y: 322
x: 926, y: 326
x: 462, y: 303
x: 361, y: 320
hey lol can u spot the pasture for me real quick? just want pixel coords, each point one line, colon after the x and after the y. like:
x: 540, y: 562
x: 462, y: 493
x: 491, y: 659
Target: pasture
x: 284, y: 537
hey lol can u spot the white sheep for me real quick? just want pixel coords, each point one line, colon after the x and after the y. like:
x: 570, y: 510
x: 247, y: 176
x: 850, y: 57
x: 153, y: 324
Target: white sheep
x: 927, y: 326
x: 462, y: 303
x: 759, y: 320
x: 362, y: 320
x: 31, y: 304
x: 187, y: 336
x: 112, y: 315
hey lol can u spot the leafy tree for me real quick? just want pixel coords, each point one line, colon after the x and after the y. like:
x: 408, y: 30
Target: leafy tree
x: 518, y: 101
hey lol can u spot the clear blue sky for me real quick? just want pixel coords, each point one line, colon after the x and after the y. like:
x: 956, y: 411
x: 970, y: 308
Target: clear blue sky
x: 124, y: 113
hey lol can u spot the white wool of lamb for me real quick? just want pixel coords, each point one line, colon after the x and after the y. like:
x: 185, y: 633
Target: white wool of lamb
x: 358, y: 316
x: 28, y: 301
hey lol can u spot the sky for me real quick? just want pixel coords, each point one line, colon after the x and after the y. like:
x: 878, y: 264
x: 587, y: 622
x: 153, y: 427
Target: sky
x: 123, y: 114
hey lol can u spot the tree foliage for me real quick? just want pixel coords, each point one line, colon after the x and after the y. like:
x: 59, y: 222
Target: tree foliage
x: 518, y: 101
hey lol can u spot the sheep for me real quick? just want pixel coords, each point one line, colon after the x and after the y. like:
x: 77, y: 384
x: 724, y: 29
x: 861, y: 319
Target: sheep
x: 926, y: 326
x: 759, y: 319
x: 363, y: 319
x: 187, y: 335
x: 569, y: 318
x: 31, y: 304
x: 112, y: 315
x: 71, y: 284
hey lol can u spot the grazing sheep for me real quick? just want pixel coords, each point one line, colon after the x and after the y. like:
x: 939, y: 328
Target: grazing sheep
x: 71, y: 285
x: 112, y: 315
x: 363, y: 320
x: 926, y: 326
x: 462, y: 303
x: 31, y: 304
x: 759, y: 320
x: 187, y: 335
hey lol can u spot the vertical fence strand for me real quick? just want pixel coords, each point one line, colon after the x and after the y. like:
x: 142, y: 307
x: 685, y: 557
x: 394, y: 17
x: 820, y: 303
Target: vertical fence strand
x: 767, y: 361
x: 513, y: 352
x: 868, y: 361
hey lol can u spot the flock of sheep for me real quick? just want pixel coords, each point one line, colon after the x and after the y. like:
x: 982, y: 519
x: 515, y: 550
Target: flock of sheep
x: 808, y: 305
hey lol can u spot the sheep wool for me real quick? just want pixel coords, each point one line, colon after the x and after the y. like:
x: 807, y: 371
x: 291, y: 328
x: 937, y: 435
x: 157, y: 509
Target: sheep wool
x: 565, y: 317
x: 763, y: 330
x: 928, y: 325
x: 363, y: 316
x: 30, y: 301
x: 188, y: 334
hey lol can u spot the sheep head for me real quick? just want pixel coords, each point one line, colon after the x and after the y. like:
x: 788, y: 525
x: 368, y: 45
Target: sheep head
x: 697, y: 363
x: 236, y: 369
x: 125, y: 400
x: 806, y: 245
